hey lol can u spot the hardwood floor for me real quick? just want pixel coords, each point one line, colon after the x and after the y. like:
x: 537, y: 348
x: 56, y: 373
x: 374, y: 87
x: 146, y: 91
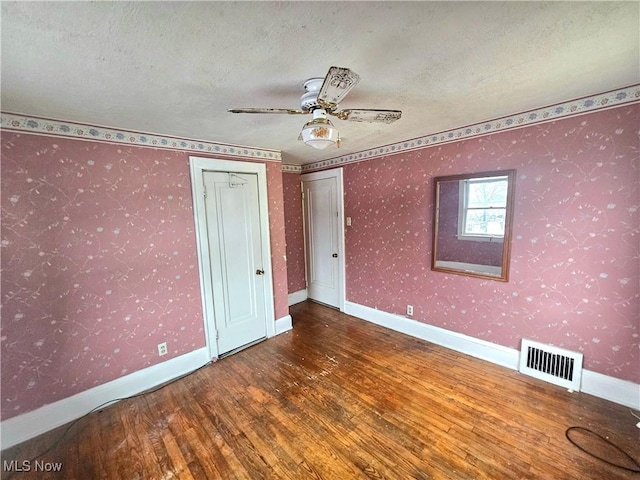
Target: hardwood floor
x: 339, y: 398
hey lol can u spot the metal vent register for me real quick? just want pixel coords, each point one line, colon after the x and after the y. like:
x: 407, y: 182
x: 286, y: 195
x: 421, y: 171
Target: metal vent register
x: 551, y: 364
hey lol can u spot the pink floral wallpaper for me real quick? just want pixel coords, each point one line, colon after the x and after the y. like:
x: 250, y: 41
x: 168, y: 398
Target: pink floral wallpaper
x: 278, y: 240
x: 294, y: 231
x: 575, y: 272
x: 99, y: 264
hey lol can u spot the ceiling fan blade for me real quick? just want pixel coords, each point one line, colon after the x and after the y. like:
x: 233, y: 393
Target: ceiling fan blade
x: 368, y: 115
x: 338, y: 82
x: 266, y: 110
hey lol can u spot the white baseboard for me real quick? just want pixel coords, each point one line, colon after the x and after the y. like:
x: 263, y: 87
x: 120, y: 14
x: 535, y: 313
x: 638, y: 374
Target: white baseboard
x: 297, y: 297
x: 31, y: 424
x: 610, y: 388
x: 603, y: 386
x: 283, y: 324
x: 505, y: 356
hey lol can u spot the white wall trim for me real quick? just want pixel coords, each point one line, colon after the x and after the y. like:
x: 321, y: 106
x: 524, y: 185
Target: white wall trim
x: 297, y: 297
x: 611, y: 388
x: 602, y: 386
x: 283, y: 324
x: 504, y: 356
x: 31, y: 424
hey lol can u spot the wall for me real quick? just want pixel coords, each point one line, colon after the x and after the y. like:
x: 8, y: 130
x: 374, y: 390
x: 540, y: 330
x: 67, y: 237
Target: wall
x: 574, y: 279
x: 294, y: 231
x: 99, y: 264
x: 277, y: 231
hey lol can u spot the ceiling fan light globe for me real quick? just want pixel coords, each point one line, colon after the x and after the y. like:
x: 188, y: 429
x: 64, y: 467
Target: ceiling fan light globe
x: 320, y: 144
x: 319, y: 133
x: 319, y: 136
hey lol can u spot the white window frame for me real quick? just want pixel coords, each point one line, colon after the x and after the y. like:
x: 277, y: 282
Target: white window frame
x: 463, y: 208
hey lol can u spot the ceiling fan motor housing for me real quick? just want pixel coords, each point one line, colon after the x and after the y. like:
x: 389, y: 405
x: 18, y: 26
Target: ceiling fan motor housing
x: 309, y: 100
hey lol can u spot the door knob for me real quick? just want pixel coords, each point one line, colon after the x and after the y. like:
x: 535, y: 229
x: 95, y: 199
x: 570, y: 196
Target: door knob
x: 335, y: 255
x: 259, y: 272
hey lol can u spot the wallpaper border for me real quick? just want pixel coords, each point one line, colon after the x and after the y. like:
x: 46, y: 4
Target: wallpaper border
x: 30, y: 124
x: 571, y: 108
x: 291, y: 168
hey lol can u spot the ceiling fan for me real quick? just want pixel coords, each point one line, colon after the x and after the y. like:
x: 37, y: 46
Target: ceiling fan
x: 321, y: 97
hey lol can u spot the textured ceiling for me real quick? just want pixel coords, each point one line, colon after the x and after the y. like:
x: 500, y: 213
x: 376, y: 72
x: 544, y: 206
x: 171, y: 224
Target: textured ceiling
x: 175, y: 68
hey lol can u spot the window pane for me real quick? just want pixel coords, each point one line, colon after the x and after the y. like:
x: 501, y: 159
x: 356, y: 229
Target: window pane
x: 487, y: 193
x: 485, y: 221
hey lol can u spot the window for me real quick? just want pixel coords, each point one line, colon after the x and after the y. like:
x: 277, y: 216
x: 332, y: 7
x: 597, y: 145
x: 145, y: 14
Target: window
x: 483, y: 209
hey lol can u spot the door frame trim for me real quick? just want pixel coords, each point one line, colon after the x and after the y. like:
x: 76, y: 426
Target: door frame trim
x: 336, y: 173
x: 199, y: 165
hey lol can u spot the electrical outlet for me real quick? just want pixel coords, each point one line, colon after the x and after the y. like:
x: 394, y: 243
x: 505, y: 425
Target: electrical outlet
x: 162, y: 348
x: 409, y: 309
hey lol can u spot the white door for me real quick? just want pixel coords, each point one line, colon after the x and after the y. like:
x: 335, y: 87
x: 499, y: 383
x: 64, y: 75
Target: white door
x: 230, y: 208
x: 322, y: 209
x: 233, y: 231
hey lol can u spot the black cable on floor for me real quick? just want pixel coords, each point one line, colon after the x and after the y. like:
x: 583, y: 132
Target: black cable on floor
x: 590, y: 432
x: 109, y: 402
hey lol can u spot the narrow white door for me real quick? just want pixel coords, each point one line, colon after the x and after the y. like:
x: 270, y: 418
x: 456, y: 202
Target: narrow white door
x: 322, y: 208
x: 235, y: 252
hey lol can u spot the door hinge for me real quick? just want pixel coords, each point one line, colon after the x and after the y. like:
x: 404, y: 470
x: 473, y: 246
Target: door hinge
x: 217, y: 334
x: 204, y: 189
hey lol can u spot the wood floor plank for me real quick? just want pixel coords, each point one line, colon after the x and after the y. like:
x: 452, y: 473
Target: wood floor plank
x: 340, y: 398
x: 263, y: 431
x: 137, y: 426
x: 200, y: 459
x: 90, y: 449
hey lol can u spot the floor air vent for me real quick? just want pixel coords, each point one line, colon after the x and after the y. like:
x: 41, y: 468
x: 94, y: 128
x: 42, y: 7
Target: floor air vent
x: 551, y: 364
